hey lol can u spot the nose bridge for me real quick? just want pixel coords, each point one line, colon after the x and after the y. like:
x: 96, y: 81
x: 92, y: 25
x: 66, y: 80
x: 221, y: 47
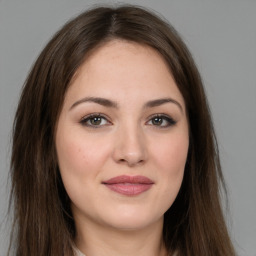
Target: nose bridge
x: 130, y: 146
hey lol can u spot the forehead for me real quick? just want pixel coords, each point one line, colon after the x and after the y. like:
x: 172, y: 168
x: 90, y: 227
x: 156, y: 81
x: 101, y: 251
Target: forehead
x: 122, y: 68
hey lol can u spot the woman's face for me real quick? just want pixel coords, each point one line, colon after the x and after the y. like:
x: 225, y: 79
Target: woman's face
x: 122, y: 138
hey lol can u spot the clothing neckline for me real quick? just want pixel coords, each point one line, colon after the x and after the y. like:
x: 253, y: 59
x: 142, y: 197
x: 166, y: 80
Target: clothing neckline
x: 78, y: 252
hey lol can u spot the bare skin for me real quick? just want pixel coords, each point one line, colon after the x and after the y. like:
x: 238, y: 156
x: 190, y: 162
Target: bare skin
x: 123, y: 115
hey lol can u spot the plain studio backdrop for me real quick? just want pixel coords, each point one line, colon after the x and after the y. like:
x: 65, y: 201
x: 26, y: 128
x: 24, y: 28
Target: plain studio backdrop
x: 222, y: 38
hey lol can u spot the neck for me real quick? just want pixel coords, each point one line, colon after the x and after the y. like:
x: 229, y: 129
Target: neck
x: 99, y: 240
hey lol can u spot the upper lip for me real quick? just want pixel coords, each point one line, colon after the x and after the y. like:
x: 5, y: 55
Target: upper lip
x: 129, y: 179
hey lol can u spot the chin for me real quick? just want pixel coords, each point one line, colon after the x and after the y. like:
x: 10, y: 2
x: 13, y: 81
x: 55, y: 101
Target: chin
x: 131, y: 220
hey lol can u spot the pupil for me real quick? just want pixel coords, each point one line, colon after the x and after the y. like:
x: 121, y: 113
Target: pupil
x: 96, y: 120
x: 157, y: 121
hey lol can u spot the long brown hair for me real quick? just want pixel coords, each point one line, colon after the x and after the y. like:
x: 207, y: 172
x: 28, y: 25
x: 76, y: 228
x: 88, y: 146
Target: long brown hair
x: 43, y: 222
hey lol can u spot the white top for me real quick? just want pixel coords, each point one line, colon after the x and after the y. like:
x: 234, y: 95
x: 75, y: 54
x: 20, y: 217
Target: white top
x: 78, y: 252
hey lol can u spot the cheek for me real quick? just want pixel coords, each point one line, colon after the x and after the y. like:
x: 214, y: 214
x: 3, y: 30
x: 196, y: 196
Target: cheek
x: 171, y: 154
x: 79, y: 154
x: 170, y: 158
x: 80, y: 160
x: 71, y: 157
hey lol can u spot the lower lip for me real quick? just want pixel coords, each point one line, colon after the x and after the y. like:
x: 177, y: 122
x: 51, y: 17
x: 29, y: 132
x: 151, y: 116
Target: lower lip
x: 129, y: 189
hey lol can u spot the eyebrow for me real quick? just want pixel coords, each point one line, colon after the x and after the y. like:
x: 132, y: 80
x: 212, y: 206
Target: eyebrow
x: 159, y: 102
x: 101, y: 101
x: 112, y: 104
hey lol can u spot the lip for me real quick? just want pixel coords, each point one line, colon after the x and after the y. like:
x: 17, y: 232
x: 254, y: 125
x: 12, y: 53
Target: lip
x: 129, y: 185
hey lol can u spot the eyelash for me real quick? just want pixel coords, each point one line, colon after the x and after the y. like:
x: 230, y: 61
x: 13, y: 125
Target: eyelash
x: 90, y: 117
x: 85, y: 120
x: 170, y: 121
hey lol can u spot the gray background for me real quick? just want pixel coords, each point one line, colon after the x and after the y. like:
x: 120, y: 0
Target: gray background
x: 222, y: 38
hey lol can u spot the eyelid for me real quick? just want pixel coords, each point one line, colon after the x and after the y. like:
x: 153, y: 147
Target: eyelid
x: 170, y: 121
x: 86, y: 118
x: 168, y: 118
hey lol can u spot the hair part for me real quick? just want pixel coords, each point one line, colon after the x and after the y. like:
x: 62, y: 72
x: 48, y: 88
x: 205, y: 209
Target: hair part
x: 194, y: 224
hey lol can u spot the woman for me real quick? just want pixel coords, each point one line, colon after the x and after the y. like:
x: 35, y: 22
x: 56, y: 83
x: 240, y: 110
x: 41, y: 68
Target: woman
x: 114, y: 151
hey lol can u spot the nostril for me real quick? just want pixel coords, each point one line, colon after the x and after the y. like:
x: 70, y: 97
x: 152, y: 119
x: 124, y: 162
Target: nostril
x: 131, y: 163
x: 130, y: 151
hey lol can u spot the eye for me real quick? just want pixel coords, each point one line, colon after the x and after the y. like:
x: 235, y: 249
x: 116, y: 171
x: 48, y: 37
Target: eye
x: 95, y: 121
x: 161, y: 121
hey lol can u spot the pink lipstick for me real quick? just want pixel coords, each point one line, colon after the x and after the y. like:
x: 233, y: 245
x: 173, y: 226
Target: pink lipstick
x: 129, y: 185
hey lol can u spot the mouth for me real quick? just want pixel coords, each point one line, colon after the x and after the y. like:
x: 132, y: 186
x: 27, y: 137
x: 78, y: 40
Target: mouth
x: 129, y: 185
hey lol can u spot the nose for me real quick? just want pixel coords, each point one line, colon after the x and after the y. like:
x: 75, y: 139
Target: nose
x: 130, y: 147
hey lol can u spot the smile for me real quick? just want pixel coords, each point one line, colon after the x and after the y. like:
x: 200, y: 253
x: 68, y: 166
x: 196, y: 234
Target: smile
x: 129, y: 185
